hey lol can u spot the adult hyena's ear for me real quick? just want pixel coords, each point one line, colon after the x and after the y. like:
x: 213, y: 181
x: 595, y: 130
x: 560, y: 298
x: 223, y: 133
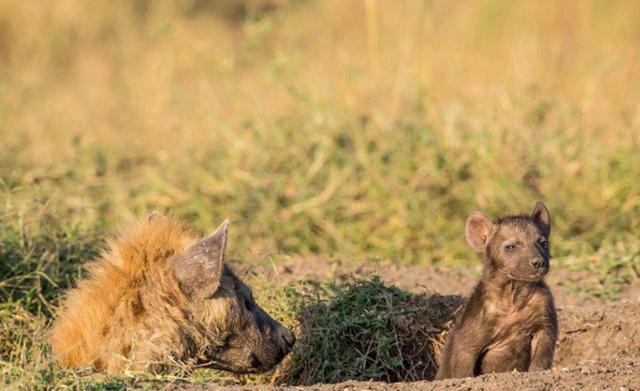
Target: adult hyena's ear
x: 199, y: 269
x: 541, y: 216
x: 477, y: 231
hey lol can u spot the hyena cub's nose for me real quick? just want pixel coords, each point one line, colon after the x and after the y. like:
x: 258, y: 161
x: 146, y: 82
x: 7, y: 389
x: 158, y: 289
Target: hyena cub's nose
x: 286, y: 339
x: 538, y: 263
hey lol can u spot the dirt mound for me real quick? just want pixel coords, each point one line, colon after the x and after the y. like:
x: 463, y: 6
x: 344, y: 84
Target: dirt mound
x: 598, y: 332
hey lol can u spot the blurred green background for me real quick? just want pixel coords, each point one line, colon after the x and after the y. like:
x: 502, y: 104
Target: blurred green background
x: 366, y: 129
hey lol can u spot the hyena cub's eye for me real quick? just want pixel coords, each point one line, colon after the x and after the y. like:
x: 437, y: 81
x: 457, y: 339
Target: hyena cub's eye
x: 510, y: 247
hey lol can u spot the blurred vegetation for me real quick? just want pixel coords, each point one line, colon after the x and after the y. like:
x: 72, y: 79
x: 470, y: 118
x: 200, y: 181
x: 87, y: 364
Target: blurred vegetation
x: 356, y: 129
x: 364, y: 129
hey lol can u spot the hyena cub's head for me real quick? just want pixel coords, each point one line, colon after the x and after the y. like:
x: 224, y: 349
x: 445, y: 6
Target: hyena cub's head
x: 515, y: 246
x: 243, y: 338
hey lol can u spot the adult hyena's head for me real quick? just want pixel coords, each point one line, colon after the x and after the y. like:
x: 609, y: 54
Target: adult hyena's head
x: 160, y: 299
x: 235, y: 334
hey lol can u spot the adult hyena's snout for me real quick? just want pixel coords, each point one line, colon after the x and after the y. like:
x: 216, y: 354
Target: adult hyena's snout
x: 285, y: 339
x: 276, y: 341
x: 282, y: 338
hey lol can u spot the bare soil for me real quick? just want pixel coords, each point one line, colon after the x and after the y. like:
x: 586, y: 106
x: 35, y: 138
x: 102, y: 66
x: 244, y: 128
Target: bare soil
x: 598, y: 347
x: 446, y: 281
x: 618, y: 374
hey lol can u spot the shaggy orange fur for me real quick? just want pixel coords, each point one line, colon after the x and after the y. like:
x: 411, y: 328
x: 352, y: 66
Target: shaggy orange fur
x: 129, y: 312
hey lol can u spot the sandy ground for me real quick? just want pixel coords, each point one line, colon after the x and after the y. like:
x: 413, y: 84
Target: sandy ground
x: 598, y: 347
x: 619, y: 374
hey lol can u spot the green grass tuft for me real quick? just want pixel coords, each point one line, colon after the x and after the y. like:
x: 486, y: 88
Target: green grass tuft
x: 365, y: 330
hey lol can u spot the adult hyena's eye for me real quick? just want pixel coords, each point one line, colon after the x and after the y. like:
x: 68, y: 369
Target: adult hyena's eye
x: 510, y: 247
x: 543, y: 243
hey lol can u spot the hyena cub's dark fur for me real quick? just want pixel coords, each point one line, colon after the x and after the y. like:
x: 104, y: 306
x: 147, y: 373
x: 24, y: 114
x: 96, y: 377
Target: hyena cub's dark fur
x: 510, y: 321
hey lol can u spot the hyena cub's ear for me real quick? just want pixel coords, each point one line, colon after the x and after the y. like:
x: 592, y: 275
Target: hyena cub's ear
x: 199, y: 269
x: 477, y: 230
x: 541, y: 216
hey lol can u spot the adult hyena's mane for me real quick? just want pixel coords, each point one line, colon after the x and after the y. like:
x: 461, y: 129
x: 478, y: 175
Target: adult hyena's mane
x: 126, y: 313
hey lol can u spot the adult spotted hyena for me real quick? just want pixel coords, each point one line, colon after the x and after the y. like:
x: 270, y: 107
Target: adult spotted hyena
x: 159, y: 298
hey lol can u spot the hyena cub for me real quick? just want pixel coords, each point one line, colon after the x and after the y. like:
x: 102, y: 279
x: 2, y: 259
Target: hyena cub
x: 160, y: 299
x: 509, y: 322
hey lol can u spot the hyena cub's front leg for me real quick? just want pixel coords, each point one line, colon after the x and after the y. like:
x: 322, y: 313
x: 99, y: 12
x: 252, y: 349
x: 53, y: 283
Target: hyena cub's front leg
x: 465, y: 343
x: 543, y: 342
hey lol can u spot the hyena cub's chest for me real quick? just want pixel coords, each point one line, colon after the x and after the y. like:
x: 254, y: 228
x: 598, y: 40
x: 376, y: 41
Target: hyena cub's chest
x: 509, y: 347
